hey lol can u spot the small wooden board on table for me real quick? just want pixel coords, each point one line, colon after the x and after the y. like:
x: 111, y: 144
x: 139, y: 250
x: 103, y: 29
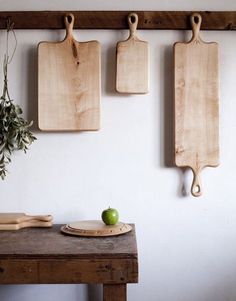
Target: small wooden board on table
x: 95, y: 228
x: 16, y: 218
x: 15, y: 221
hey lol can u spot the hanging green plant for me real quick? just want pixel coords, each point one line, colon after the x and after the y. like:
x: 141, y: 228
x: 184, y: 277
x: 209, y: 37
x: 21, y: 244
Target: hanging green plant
x: 14, y: 129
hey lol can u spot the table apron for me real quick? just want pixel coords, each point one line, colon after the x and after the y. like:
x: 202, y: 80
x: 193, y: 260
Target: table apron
x: 65, y: 271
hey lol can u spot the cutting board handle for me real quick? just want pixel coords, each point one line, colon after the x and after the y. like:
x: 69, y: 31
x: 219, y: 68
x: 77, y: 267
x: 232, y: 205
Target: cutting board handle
x: 196, y: 188
x: 44, y: 218
x: 196, y: 21
x: 133, y: 23
x: 69, y: 23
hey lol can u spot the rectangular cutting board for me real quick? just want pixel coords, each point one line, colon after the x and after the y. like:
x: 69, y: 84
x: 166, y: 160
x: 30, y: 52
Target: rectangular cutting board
x: 196, y: 94
x: 132, y: 62
x: 69, y: 83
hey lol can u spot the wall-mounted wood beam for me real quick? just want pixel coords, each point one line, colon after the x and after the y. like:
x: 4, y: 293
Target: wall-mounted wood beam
x: 211, y: 20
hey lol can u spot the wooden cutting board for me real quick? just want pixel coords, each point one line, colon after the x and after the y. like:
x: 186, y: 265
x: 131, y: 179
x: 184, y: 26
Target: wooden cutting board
x: 132, y: 62
x: 95, y: 228
x: 69, y: 75
x: 15, y: 218
x: 28, y: 224
x: 196, y: 96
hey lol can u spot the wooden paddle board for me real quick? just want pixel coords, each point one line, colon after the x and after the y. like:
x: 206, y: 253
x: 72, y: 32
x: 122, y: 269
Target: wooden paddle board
x: 132, y: 62
x: 15, y: 218
x: 95, y: 228
x: 69, y: 75
x: 196, y: 93
x: 28, y: 224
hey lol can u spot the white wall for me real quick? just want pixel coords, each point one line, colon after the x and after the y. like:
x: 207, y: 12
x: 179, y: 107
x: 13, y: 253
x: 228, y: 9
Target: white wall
x: 187, y: 246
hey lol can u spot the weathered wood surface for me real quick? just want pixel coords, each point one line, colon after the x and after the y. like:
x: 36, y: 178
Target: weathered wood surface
x: 212, y: 20
x: 59, y: 271
x: 51, y: 243
x: 196, y: 104
x: 114, y: 292
x: 32, y: 256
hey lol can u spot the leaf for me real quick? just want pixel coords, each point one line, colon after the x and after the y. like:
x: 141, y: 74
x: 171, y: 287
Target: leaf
x: 14, y: 129
x: 14, y: 133
x: 18, y: 110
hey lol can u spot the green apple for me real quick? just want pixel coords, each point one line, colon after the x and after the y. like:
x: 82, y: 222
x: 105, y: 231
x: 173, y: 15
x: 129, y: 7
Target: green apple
x: 110, y: 216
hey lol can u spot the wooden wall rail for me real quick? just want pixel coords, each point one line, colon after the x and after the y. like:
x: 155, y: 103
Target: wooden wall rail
x: 212, y: 20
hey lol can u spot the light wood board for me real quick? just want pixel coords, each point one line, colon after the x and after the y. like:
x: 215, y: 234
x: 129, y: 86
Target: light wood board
x: 28, y: 224
x: 69, y: 80
x: 95, y: 228
x: 15, y: 218
x: 132, y: 62
x: 196, y: 96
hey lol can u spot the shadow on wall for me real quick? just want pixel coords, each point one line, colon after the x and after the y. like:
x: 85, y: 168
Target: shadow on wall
x: 110, y: 77
x: 168, y: 107
x: 94, y: 292
x: 32, y: 94
x: 45, y: 292
x: 168, y: 121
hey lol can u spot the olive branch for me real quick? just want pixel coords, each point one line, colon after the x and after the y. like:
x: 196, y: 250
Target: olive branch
x: 14, y: 129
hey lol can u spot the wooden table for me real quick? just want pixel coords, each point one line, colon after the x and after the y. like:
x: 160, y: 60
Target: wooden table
x: 46, y: 256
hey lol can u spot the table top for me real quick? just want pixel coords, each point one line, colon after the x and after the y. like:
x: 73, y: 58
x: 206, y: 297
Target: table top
x: 52, y: 243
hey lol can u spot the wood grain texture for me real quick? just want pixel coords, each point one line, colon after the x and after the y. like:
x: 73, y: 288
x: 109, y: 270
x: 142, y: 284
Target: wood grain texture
x: 196, y: 104
x: 94, y: 228
x: 45, y: 256
x: 69, y: 83
x: 132, y: 62
x: 114, y: 292
x: 174, y: 20
x: 51, y: 243
x: 66, y: 271
x: 15, y: 218
x: 27, y: 224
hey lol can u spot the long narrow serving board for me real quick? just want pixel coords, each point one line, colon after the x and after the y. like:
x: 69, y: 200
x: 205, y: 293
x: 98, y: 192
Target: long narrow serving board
x: 132, y: 62
x: 69, y: 83
x: 196, y: 96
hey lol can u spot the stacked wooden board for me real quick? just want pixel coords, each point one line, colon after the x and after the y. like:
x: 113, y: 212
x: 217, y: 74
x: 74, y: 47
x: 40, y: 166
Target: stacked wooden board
x: 16, y: 221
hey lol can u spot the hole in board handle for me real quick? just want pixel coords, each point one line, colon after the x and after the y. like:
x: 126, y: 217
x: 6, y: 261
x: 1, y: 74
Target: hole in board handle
x: 196, y: 19
x: 132, y: 19
x: 196, y: 189
x: 69, y: 19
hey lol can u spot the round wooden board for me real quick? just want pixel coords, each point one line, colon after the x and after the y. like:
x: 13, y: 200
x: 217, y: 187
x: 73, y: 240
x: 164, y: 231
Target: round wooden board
x: 95, y: 228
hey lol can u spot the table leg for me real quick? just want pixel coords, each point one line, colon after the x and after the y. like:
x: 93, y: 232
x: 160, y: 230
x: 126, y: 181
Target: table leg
x: 114, y: 292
